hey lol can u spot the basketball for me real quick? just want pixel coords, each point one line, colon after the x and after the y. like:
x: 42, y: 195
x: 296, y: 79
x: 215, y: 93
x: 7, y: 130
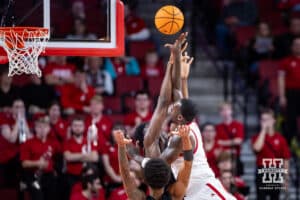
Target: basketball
x: 169, y: 20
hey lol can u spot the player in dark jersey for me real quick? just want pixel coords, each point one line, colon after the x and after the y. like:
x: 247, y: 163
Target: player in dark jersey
x: 156, y: 171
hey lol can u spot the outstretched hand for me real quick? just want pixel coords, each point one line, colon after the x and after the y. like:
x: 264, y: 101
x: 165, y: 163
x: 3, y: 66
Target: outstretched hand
x: 180, y: 45
x: 186, y: 62
x: 182, y: 131
x: 120, y: 138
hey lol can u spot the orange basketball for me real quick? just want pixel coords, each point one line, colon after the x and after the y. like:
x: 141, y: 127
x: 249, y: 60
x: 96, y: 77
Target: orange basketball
x: 169, y: 20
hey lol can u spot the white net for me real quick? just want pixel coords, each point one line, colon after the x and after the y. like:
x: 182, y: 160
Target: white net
x: 23, y: 48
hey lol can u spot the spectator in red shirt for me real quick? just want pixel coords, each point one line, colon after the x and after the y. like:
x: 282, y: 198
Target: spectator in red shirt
x: 10, y: 127
x: 76, y: 97
x: 90, y: 187
x: 76, y: 153
x: 58, y: 125
x: 289, y: 88
x: 269, y: 144
x: 36, y: 155
x: 109, y: 153
x: 58, y: 72
x: 153, y: 67
x: 227, y: 181
x: 141, y: 114
x: 135, y: 27
x: 211, y: 147
x: 102, y: 122
x: 230, y: 133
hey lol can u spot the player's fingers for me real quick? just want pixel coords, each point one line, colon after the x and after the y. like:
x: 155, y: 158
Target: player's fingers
x: 184, y: 47
x: 168, y: 45
x: 191, y: 60
x: 127, y: 141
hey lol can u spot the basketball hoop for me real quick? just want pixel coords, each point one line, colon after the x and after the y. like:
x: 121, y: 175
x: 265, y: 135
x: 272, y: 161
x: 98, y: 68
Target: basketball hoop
x: 23, y: 46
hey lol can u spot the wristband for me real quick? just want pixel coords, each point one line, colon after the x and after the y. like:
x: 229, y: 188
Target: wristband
x: 144, y: 162
x: 188, y: 155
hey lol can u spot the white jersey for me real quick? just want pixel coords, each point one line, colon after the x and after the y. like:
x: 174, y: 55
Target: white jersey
x: 203, y: 184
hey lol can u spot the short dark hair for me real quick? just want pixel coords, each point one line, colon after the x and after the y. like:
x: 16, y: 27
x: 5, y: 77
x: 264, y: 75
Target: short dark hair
x: 188, y: 110
x: 139, y: 134
x: 157, y: 173
x: 87, y: 177
x: 77, y: 118
x: 142, y: 92
x: 203, y: 126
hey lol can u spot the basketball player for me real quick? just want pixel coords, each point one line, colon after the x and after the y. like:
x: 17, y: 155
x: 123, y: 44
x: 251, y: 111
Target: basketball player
x: 156, y: 171
x: 203, y: 184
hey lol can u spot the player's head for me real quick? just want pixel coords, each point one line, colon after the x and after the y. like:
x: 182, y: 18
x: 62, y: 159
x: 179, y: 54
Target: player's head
x: 77, y: 126
x: 208, y: 131
x: 226, y: 110
x: 142, y: 100
x: 183, y: 111
x: 54, y: 110
x: 157, y: 173
x: 267, y: 116
x: 42, y: 127
x: 96, y: 105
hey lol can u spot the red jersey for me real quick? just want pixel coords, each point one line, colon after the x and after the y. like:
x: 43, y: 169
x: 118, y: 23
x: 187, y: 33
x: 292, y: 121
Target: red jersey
x: 134, y: 24
x: 72, y: 146
x: 211, y: 156
x: 118, y: 194
x: 120, y: 67
x: 131, y: 119
x: 8, y: 150
x: 291, y: 68
x: 34, y: 149
x: 112, y: 152
x: 231, y: 131
x: 74, y: 97
x: 76, y: 193
x: 275, y: 146
x: 150, y: 72
x: 104, y: 126
x: 59, y: 130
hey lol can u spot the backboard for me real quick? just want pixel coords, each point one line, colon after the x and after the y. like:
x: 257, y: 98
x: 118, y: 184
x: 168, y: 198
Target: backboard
x: 77, y: 27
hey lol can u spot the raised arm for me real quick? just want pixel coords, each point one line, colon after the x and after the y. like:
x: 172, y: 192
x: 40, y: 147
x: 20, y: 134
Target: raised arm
x: 160, y: 112
x: 178, y: 189
x: 186, y: 62
x: 131, y: 189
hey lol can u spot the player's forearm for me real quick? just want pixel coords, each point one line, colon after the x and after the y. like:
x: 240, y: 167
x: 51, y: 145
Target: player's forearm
x: 186, y: 143
x: 125, y: 172
x: 184, y: 88
x: 176, y: 79
x: 165, y: 95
